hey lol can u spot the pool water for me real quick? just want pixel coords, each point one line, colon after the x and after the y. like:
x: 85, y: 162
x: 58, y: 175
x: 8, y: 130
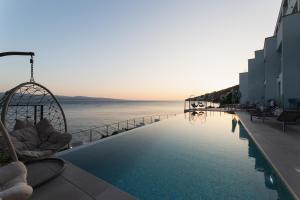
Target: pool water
x: 201, y: 156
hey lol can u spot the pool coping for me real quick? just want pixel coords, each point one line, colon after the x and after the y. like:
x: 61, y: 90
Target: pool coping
x: 282, y: 178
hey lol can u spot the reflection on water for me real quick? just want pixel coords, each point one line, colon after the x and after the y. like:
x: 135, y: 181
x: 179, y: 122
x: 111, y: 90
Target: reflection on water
x: 199, y: 116
x: 272, y: 181
x: 234, y: 123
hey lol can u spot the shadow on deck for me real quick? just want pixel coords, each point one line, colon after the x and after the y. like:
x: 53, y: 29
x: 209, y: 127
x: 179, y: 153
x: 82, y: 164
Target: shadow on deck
x: 77, y: 184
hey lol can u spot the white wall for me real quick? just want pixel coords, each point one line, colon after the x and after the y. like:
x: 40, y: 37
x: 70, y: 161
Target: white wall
x: 272, y: 69
x: 291, y: 58
x: 251, y: 82
x: 259, y: 78
x: 244, y: 87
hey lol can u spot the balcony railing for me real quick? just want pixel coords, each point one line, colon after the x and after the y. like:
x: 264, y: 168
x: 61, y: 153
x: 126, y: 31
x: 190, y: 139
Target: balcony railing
x: 100, y: 132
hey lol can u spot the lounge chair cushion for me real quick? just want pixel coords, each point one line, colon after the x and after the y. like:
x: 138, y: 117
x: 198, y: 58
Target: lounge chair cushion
x: 23, y: 124
x: 13, y: 183
x: 56, y: 141
x: 38, y: 141
x: 45, y: 129
x: 21, y: 191
x: 20, y: 146
x: 29, y: 136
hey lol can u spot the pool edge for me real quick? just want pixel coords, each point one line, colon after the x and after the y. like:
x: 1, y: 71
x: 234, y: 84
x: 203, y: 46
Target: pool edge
x: 293, y: 193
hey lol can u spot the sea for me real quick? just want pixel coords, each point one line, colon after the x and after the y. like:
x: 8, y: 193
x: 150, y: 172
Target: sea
x: 84, y: 114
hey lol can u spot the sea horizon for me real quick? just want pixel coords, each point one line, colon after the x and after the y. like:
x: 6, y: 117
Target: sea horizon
x: 86, y: 114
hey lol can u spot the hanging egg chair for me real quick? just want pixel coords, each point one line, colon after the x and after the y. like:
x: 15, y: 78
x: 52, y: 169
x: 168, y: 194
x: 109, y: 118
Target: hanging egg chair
x: 34, y: 103
x: 34, y: 118
x: 31, y: 101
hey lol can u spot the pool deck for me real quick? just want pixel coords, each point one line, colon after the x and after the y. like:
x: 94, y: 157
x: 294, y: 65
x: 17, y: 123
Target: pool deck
x: 77, y: 184
x: 281, y: 149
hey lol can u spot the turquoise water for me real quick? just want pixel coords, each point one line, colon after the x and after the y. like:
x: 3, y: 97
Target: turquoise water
x: 208, y: 156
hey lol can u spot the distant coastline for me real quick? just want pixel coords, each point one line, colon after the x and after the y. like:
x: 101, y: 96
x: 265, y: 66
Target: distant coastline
x: 85, y: 99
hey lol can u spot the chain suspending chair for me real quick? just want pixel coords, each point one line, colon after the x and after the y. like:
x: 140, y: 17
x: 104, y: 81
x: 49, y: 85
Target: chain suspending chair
x: 34, y: 103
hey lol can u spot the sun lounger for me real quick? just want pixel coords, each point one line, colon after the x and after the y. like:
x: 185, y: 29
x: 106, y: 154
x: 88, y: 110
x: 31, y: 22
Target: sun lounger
x: 261, y: 114
x: 288, y: 117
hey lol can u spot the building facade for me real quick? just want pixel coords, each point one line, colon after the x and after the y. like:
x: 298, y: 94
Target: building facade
x: 243, y: 77
x: 274, y: 72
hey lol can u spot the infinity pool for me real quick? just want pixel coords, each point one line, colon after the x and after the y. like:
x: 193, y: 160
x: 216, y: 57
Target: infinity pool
x: 201, y: 156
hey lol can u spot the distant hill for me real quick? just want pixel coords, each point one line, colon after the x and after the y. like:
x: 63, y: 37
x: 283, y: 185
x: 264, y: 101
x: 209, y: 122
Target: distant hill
x: 222, y: 96
x: 79, y: 99
x: 85, y: 99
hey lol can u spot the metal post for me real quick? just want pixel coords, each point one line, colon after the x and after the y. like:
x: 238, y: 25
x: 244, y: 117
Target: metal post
x: 35, y: 113
x: 118, y: 126
x: 42, y: 112
x: 134, y: 123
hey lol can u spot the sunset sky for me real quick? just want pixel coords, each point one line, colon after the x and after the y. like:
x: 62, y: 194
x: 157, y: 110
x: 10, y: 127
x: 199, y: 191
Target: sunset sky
x: 133, y: 49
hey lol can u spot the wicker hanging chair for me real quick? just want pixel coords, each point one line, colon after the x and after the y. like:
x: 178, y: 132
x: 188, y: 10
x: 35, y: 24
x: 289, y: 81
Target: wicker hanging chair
x: 34, y: 103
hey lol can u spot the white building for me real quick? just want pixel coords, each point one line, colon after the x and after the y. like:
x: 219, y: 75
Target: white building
x: 272, y: 59
x: 274, y: 73
x: 259, y: 79
x: 244, y: 87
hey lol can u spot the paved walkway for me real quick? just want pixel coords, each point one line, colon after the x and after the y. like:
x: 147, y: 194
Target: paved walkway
x: 76, y: 184
x: 281, y: 149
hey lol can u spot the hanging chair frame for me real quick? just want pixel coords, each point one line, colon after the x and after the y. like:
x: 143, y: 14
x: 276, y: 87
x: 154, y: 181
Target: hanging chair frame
x: 8, y: 97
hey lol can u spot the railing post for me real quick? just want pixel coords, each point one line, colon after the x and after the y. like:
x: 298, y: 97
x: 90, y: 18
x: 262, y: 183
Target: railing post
x: 127, y: 124
x: 91, y: 135
x: 134, y: 123
x: 118, y: 126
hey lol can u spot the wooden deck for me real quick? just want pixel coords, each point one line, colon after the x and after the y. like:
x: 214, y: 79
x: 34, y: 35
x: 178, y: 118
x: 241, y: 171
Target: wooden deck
x: 76, y: 184
x: 281, y: 149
